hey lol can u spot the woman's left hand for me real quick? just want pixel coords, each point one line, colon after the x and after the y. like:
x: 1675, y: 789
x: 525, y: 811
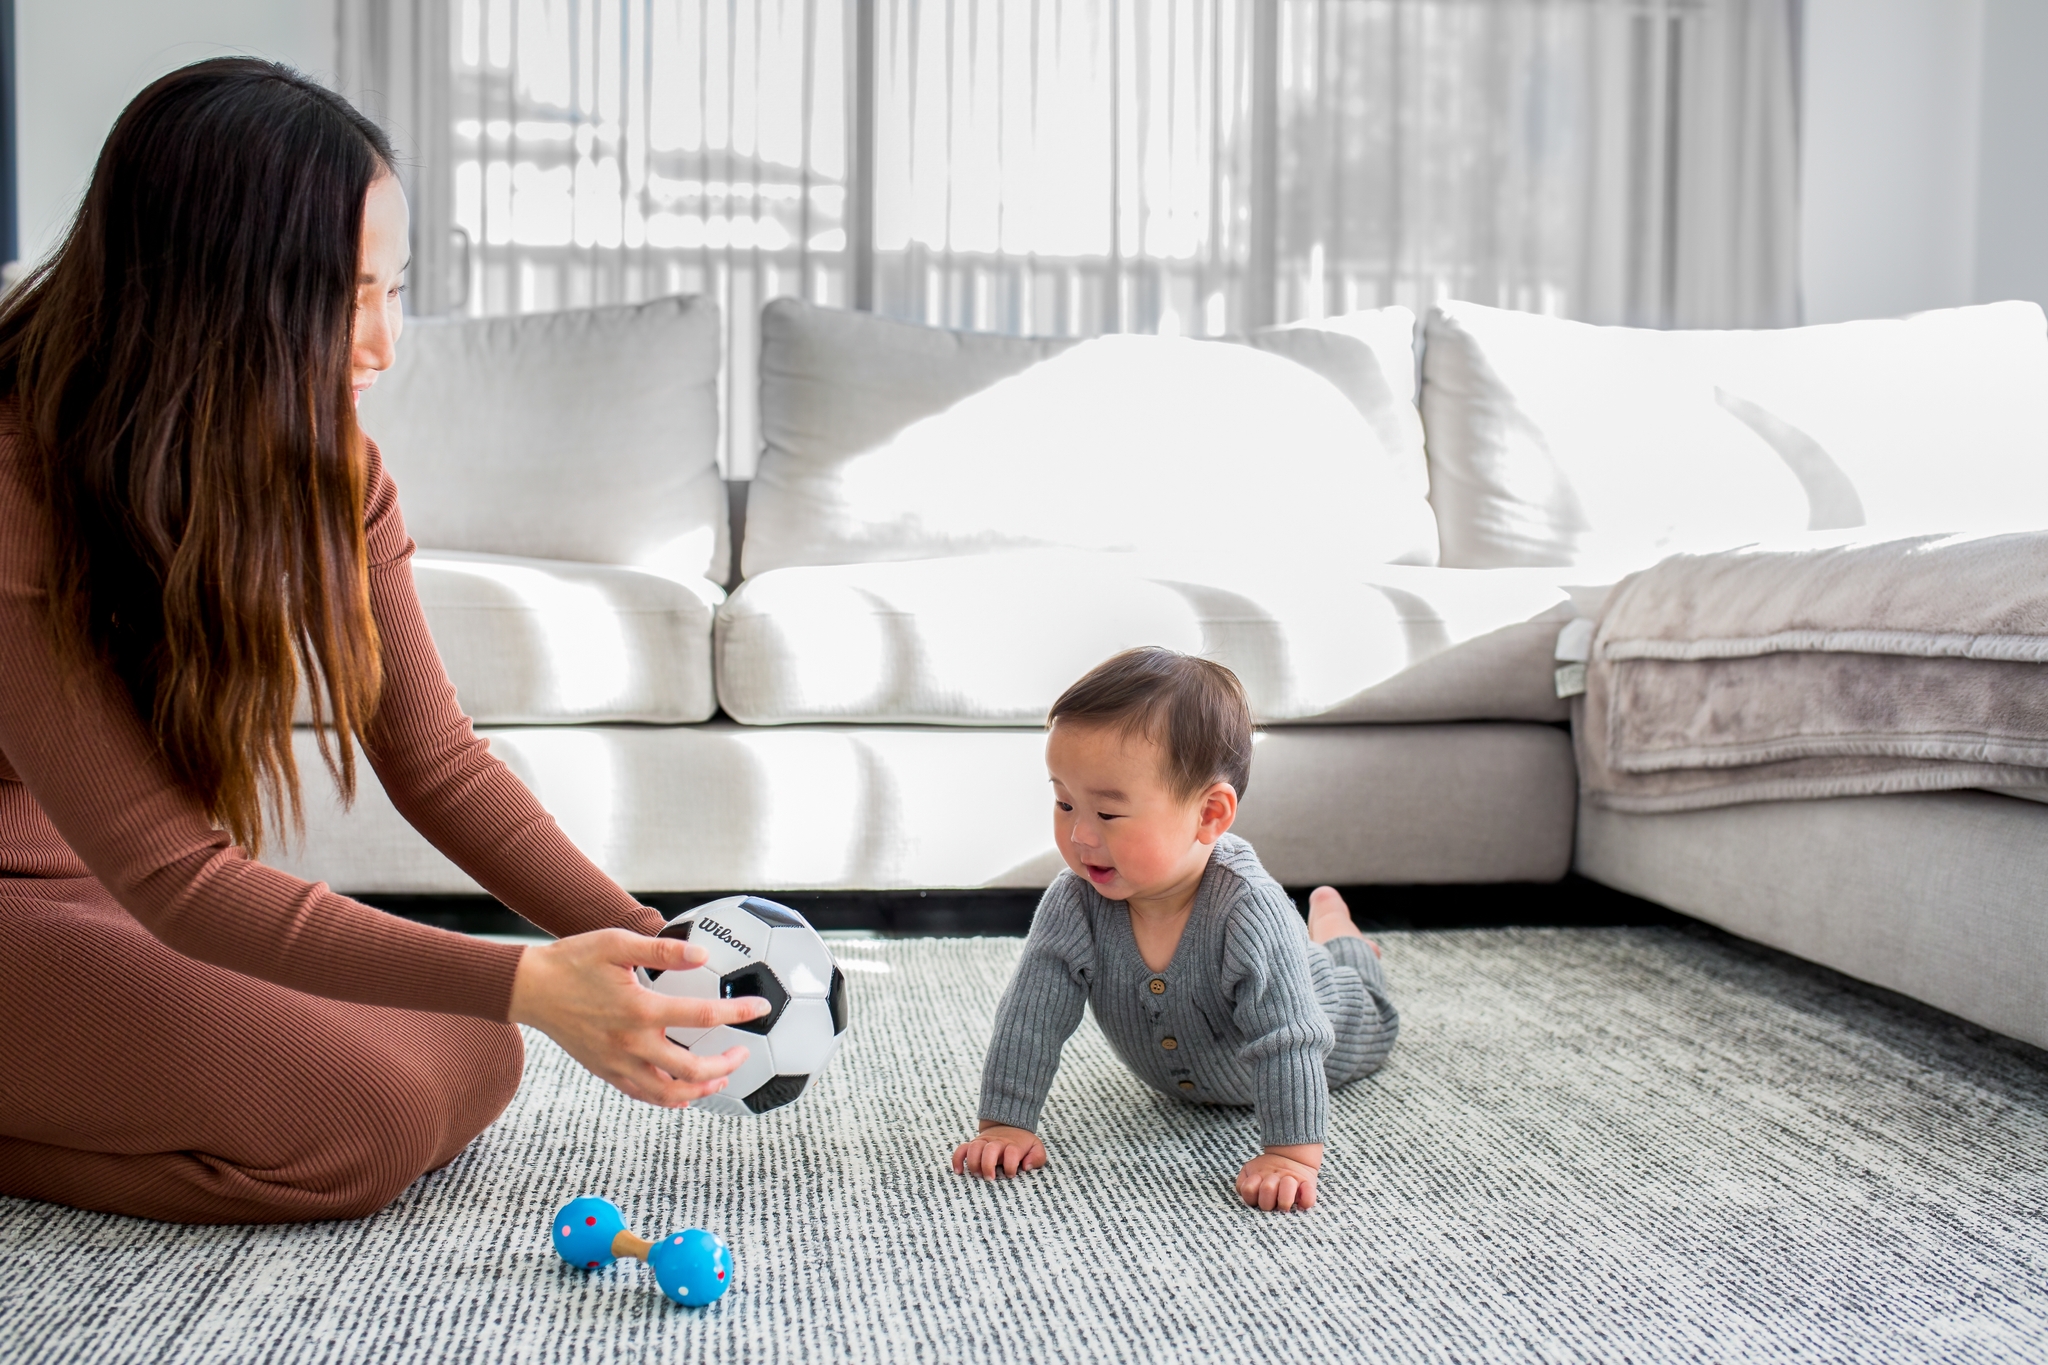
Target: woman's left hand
x: 581, y: 992
x: 1281, y: 1177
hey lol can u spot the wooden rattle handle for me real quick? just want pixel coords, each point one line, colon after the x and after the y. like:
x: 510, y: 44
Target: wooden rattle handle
x: 628, y: 1244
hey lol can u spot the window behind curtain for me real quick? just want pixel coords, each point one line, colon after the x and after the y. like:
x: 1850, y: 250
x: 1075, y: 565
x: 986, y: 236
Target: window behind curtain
x: 609, y: 151
x: 1065, y: 167
x: 1081, y: 166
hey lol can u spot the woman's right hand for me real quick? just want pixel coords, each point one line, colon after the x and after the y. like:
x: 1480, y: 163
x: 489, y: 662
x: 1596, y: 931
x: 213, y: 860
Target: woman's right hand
x: 580, y: 991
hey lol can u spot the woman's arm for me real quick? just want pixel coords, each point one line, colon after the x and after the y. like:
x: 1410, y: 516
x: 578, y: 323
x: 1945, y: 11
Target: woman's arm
x: 92, y: 766
x: 444, y: 779
x: 73, y: 736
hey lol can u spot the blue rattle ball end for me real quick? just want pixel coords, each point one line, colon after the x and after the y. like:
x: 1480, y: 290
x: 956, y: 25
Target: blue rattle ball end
x: 584, y: 1229
x: 693, y: 1267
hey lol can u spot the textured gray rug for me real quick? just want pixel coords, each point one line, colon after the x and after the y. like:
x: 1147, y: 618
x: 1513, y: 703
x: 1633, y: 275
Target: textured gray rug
x: 1605, y: 1144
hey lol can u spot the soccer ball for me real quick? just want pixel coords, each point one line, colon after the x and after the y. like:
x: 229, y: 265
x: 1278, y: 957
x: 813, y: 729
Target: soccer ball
x: 758, y: 948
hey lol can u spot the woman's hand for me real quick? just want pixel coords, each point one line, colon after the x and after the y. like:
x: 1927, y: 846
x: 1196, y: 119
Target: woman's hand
x: 580, y: 992
x: 1281, y: 1177
x: 999, y: 1150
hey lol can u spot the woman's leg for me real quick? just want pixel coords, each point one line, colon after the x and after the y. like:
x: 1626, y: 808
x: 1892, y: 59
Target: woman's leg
x: 140, y: 1081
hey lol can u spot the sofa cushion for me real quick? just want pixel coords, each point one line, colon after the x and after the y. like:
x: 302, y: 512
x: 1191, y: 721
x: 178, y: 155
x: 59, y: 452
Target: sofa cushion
x: 1370, y: 357
x: 994, y: 639
x: 537, y: 641
x: 870, y: 807
x: 889, y: 441
x: 1933, y: 894
x: 1555, y: 442
x: 588, y: 435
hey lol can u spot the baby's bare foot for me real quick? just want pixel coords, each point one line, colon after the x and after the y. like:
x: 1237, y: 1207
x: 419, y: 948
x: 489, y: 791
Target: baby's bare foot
x: 1329, y: 917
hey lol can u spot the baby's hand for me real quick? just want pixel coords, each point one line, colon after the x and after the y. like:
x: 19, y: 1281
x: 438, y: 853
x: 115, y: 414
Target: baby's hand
x: 999, y: 1150
x: 1281, y: 1178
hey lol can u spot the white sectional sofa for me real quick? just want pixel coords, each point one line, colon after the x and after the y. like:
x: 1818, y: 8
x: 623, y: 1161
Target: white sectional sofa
x: 946, y: 529
x: 1608, y: 448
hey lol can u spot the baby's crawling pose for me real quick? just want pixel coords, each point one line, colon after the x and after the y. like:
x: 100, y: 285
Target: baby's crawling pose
x: 1196, y: 962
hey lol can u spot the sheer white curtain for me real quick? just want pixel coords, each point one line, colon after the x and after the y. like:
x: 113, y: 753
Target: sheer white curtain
x: 1204, y: 165
x: 1630, y: 161
x: 583, y: 152
x: 1080, y: 166
x: 1064, y: 166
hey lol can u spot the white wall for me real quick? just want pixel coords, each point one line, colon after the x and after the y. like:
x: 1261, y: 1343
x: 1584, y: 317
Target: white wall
x: 1888, y: 155
x: 1924, y: 155
x: 79, y: 62
x: 2012, y: 177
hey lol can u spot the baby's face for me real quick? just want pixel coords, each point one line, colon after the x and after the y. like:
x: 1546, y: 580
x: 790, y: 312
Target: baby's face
x: 1117, y: 821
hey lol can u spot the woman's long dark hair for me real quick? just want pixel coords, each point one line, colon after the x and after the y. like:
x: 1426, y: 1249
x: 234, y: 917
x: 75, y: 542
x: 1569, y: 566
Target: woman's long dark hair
x: 183, y: 372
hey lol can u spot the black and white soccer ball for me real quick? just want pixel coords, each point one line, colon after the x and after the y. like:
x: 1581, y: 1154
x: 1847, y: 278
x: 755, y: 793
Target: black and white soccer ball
x: 759, y: 948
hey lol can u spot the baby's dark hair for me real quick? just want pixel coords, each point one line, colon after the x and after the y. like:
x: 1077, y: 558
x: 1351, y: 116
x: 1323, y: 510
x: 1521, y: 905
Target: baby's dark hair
x: 1192, y: 708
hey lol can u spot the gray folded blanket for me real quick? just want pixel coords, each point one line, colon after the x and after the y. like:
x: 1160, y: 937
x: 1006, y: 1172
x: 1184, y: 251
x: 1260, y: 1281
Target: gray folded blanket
x: 1840, y: 669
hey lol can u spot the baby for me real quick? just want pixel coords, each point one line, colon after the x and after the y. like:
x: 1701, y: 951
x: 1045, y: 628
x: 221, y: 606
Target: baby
x: 1196, y: 962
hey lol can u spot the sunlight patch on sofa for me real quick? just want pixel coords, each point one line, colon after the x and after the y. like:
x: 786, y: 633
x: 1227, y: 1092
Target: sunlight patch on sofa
x: 586, y: 651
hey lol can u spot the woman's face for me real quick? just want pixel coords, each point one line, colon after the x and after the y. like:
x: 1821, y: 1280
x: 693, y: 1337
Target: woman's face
x: 379, y: 280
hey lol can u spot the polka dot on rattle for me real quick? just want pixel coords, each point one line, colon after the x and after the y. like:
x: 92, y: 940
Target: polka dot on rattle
x: 590, y: 1222
x: 565, y: 1229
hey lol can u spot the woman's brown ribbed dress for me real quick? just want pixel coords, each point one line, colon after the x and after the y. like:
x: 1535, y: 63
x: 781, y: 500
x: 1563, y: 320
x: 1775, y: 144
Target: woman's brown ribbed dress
x: 188, y: 1034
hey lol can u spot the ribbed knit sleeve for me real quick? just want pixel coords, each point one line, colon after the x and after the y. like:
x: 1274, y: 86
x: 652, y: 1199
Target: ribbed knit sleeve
x: 442, y: 776
x: 94, y: 772
x: 1040, y: 1009
x: 74, y: 738
x: 1273, y: 1003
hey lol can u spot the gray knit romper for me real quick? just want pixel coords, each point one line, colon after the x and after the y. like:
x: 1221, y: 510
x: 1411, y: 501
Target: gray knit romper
x: 1247, y: 1012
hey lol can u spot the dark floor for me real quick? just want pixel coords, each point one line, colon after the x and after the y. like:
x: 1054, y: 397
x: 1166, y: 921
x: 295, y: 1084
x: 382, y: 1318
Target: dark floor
x: 1573, y: 901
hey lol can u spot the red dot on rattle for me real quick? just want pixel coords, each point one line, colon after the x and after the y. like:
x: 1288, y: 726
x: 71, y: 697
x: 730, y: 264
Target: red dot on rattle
x: 593, y: 1265
x: 721, y: 1274
x: 590, y: 1222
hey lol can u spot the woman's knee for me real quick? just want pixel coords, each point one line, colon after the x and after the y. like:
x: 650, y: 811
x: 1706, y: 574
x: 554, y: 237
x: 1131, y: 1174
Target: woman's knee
x: 499, y: 1060
x: 416, y: 1109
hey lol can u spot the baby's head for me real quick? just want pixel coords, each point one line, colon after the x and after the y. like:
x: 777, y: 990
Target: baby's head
x: 1148, y: 755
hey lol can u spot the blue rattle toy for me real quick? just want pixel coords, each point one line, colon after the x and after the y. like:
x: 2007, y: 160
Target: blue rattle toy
x: 693, y: 1266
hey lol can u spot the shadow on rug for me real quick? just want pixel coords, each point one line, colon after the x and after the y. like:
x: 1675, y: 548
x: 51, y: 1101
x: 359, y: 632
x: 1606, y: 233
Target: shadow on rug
x: 1591, y: 1144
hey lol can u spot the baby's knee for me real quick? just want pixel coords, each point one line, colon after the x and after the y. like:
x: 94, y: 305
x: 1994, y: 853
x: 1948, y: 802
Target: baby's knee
x: 1363, y: 1047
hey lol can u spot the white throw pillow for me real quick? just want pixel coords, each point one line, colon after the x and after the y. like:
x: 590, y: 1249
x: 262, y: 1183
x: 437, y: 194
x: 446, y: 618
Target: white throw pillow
x: 1939, y: 422
x: 587, y: 435
x: 1370, y: 357
x: 1555, y: 442
x: 887, y: 441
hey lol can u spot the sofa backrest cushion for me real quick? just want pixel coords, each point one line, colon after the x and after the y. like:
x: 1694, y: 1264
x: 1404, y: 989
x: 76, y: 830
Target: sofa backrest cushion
x: 1370, y: 357
x: 1555, y: 442
x: 890, y: 441
x: 589, y: 435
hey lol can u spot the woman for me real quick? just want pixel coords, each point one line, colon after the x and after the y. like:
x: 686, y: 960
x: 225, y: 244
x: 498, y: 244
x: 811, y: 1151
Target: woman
x: 193, y: 534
